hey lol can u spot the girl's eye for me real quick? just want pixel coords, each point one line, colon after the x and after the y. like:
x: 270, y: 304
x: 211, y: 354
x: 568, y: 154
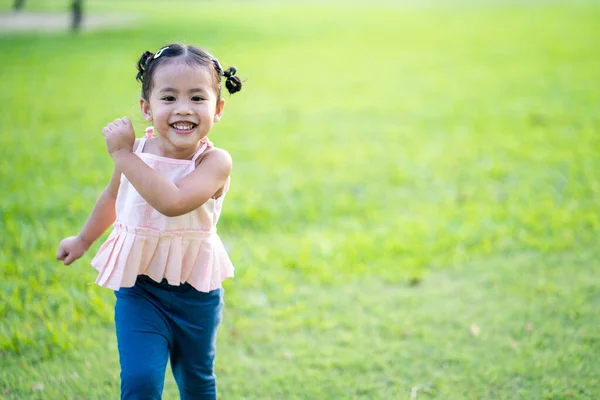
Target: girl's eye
x: 168, y: 98
x: 197, y: 98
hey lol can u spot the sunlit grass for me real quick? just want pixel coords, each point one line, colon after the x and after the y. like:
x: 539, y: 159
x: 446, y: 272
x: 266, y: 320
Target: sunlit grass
x: 401, y: 174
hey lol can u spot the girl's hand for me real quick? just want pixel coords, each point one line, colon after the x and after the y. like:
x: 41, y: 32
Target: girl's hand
x: 71, y: 249
x: 119, y: 136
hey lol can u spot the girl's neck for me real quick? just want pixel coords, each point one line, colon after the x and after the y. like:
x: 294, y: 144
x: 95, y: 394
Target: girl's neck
x: 163, y: 148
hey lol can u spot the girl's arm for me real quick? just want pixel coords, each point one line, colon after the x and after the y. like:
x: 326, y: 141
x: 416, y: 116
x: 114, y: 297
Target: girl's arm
x: 173, y: 199
x: 168, y: 198
x: 101, y: 217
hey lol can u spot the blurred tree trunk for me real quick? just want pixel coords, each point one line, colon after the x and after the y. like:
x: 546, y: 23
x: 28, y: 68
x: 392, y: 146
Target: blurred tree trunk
x: 19, y: 5
x: 77, y: 8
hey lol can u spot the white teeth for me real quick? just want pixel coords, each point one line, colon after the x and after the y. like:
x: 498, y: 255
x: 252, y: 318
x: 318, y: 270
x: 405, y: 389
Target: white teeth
x: 183, y: 127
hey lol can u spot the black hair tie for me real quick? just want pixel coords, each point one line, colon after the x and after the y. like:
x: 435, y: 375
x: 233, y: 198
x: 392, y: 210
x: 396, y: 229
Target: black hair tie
x: 230, y: 72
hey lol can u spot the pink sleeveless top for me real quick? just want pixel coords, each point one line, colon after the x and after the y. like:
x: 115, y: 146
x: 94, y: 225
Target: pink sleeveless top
x: 181, y: 249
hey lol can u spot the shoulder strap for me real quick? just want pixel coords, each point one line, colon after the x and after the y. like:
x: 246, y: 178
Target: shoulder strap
x: 140, y: 146
x: 200, y: 151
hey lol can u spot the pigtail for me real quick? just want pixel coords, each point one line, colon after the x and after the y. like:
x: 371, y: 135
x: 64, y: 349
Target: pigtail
x: 233, y: 83
x: 142, y: 65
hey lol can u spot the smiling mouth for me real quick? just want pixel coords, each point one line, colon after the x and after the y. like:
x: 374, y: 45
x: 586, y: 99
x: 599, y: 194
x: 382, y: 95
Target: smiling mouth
x: 183, y: 126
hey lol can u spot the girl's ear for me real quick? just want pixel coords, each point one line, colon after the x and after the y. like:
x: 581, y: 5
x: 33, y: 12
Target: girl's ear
x: 146, y: 110
x: 219, y: 110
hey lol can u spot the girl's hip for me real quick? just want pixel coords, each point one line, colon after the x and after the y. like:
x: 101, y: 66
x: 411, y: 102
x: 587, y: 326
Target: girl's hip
x: 184, y: 300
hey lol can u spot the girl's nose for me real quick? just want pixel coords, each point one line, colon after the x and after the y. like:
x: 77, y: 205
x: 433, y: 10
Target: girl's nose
x: 183, y: 108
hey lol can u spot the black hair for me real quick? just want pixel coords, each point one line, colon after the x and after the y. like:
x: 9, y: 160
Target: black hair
x: 193, y: 55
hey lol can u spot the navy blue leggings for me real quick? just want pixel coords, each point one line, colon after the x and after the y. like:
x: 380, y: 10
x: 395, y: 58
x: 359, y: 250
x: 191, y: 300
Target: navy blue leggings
x: 155, y: 321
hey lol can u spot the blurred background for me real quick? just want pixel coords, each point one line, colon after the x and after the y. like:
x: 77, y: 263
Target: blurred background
x: 414, y: 210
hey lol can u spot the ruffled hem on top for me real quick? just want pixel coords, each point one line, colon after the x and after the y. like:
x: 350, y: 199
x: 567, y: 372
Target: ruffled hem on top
x: 196, y: 257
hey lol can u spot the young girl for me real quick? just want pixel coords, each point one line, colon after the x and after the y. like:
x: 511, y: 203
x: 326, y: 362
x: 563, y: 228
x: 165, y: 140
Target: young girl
x: 164, y: 259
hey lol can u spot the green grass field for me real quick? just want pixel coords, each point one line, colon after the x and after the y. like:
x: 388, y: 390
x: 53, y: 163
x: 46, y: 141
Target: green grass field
x: 415, y: 202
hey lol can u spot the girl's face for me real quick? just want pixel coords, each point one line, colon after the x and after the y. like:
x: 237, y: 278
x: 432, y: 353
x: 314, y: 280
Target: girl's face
x: 183, y: 104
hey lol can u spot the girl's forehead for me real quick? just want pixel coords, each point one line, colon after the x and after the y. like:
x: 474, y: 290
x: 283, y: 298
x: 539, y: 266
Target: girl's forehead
x: 179, y: 72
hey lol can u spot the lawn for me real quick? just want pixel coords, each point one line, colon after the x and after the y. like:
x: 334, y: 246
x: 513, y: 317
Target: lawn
x: 414, y: 210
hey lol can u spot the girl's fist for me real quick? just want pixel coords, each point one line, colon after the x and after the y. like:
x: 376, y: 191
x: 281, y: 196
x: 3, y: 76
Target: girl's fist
x: 119, y: 136
x: 71, y: 248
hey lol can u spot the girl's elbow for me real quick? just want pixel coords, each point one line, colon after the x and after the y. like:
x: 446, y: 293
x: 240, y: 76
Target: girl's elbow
x: 177, y: 207
x: 109, y: 193
x: 169, y: 206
